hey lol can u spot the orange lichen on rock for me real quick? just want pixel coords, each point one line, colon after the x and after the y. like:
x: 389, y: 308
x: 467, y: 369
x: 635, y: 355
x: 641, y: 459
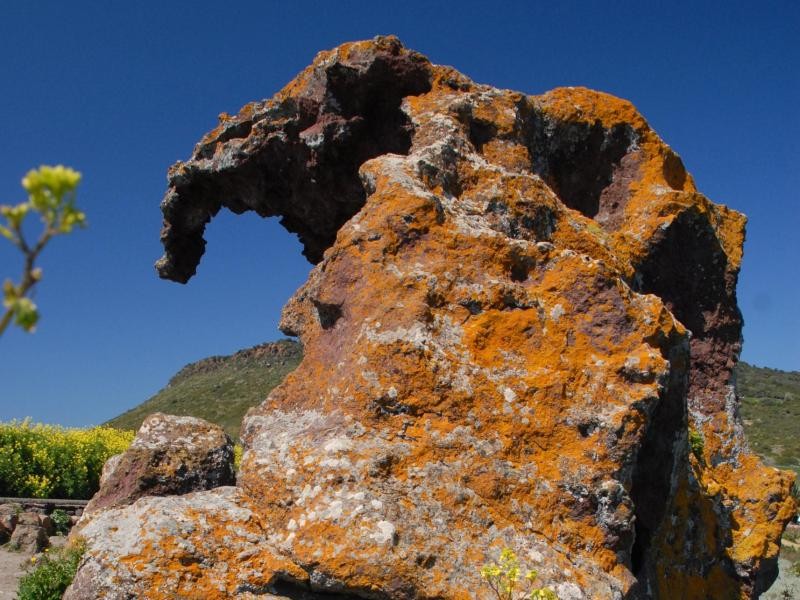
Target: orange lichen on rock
x: 200, y: 545
x: 519, y: 307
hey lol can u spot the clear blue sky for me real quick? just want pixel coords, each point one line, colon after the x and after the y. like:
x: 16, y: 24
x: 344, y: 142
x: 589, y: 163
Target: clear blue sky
x: 121, y: 90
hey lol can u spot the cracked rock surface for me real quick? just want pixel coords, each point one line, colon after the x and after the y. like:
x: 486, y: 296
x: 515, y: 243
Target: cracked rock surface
x: 520, y: 307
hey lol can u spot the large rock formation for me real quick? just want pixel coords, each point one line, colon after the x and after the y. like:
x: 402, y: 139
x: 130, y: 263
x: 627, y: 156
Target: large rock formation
x: 520, y: 308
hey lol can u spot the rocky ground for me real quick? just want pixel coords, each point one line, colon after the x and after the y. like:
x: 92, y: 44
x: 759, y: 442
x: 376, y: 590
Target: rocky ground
x: 23, y: 534
x: 786, y: 586
x: 788, y: 583
x: 14, y: 564
x: 12, y: 567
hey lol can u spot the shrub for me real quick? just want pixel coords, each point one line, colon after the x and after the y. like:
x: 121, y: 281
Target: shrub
x: 52, y: 575
x: 503, y: 579
x: 61, y: 521
x: 237, y: 456
x: 696, y: 444
x: 47, y: 461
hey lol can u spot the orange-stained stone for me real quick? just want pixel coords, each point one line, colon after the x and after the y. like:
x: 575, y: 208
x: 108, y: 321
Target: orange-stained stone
x: 519, y: 307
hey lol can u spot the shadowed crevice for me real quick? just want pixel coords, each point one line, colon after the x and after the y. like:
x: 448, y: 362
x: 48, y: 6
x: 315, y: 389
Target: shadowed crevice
x: 688, y: 269
x: 579, y: 161
x: 651, y: 484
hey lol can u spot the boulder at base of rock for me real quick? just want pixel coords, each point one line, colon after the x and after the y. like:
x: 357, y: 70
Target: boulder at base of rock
x: 201, y: 545
x: 521, y: 307
x: 38, y: 519
x: 9, y: 515
x: 170, y: 455
x: 29, y: 539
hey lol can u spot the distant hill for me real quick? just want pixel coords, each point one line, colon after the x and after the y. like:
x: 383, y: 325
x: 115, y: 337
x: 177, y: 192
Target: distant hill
x: 771, y: 413
x: 220, y: 389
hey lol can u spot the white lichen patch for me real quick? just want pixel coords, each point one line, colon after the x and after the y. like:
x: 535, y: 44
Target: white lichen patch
x: 383, y: 533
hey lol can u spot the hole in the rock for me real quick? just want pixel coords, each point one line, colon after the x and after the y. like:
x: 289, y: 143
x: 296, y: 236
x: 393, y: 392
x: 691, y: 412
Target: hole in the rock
x: 328, y: 314
x: 307, y: 175
x: 234, y: 276
x: 233, y: 131
x: 481, y: 132
x: 519, y: 271
x: 587, y: 428
x: 520, y: 266
x: 577, y: 160
x: 687, y: 269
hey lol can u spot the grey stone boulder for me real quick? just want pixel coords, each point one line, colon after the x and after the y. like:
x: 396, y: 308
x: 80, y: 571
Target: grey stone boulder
x: 47, y: 523
x: 170, y: 455
x: 9, y: 516
x: 29, y: 539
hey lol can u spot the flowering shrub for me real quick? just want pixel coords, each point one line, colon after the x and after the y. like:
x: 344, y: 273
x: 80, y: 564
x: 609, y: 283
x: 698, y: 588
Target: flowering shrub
x: 48, y: 461
x: 504, y: 580
x: 237, y: 456
x: 696, y: 444
x: 51, y: 575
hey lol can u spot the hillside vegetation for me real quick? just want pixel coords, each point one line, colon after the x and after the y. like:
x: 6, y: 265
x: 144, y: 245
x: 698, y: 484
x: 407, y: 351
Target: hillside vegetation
x: 771, y: 413
x: 220, y: 389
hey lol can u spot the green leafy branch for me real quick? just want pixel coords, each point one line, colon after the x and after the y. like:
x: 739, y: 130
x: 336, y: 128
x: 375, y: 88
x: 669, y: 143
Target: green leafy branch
x: 51, y: 194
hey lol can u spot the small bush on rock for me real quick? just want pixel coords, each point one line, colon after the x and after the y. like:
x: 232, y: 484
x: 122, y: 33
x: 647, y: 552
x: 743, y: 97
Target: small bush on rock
x: 696, y: 444
x: 61, y: 521
x: 51, y: 575
x: 504, y: 580
x: 237, y: 456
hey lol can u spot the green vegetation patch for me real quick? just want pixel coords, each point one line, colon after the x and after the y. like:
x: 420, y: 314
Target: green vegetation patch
x: 770, y: 409
x: 48, y: 461
x: 51, y: 575
x: 220, y: 389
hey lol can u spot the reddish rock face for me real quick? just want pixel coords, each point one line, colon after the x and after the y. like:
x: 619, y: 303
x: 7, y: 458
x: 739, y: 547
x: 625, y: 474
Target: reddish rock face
x: 169, y: 456
x: 521, y: 306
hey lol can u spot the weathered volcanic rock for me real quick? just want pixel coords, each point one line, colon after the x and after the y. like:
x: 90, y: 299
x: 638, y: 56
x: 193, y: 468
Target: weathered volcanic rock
x: 520, y: 307
x: 9, y: 516
x: 200, y: 545
x: 170, y: 455
x: 29, y: 538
